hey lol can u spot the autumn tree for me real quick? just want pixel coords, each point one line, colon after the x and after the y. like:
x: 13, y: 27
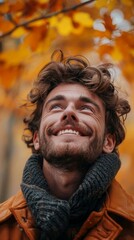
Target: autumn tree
x: 28, y: 29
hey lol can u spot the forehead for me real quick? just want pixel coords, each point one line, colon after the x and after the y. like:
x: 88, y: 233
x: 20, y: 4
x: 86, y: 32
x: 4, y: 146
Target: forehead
x: 73, y: 91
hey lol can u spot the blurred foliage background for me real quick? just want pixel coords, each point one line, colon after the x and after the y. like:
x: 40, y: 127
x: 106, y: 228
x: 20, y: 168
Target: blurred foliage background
x: 30, y: 30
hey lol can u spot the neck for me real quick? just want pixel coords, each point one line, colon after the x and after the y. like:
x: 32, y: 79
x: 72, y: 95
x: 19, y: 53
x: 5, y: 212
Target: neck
x: 62, y: 183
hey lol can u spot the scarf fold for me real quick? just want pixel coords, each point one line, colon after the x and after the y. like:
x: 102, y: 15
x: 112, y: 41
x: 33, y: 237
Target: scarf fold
x: 53, y: 215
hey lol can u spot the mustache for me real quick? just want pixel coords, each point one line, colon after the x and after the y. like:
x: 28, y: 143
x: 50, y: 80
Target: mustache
x: 82, y: 129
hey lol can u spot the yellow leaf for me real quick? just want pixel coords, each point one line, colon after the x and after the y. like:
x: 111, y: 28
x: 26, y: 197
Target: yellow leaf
x: 128, y: 71
x: 78, y: 30
x: 128, y: 3
x: 19, y: 32
x: 15, y: 56
x: 110, y: 4
x: 65, y: 26
x: 132, y: 52
x: 43, y: 1
x: 116, y: 54
x: 100, y: 3
x: 53, y: 21
x: 83, y: 18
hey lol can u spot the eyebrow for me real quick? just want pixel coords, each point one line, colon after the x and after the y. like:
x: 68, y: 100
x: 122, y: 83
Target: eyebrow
x: 81, y: 98
x: 89, y: 100
x: 56, y: 98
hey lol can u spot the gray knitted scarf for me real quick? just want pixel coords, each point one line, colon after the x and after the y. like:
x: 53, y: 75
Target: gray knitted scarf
x: 53, y: 215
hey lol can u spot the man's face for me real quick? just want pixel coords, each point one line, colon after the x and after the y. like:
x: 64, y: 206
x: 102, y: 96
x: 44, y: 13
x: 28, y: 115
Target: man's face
x: 72, y: 128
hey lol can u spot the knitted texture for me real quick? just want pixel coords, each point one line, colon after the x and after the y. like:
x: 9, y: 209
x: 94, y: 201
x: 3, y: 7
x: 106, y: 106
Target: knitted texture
x: 52, y: 215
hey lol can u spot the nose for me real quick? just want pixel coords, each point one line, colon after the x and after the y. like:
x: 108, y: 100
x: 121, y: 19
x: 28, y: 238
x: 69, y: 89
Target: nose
x: 70, y: 114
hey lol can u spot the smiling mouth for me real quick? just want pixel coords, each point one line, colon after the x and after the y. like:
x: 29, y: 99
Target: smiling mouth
x: 68, y: 131
x: 77, y: 131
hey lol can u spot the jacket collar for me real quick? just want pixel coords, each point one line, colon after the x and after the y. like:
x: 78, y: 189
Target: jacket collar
x: 17, y: 206
x: 119, y: 202
x: 11, y: 203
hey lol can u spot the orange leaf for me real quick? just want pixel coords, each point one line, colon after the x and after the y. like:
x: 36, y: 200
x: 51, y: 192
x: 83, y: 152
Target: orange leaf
x: 16, y: 6
x: 55, y: 5
x: 9, y: 75
x: 102, y: 34
x: 2, y: 96
x: 5, y: 25
x: 4, y: 7
x: 105, y: 49
x: 128, y: 71
x: 108, y: 23
x: 128, y: 38
x: 126, y: 45
x: 34, y: 37
x: 128, y: 2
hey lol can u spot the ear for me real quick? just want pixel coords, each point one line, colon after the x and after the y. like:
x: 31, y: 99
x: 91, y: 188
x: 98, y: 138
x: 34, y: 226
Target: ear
x: 109, y: 143
x: 36, y: 141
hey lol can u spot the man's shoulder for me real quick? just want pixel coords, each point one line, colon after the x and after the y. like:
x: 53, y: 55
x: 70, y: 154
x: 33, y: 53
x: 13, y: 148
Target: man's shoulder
x: 119, y: 201
x: 14, y: 202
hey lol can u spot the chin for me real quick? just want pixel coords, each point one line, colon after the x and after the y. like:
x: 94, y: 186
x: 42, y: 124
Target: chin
x: 62, y: 153
x: 70, y: 148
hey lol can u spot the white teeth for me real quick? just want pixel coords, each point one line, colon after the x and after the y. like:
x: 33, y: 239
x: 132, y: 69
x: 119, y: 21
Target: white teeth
x: 68, y: 131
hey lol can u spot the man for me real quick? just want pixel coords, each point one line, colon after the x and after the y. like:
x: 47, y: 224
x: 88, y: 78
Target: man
x: 68, y: 190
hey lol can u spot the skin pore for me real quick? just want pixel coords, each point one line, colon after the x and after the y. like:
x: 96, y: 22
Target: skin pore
x: 71, y: 136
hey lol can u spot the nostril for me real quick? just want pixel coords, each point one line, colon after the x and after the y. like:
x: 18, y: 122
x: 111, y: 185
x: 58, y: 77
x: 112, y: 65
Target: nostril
x: 73, y: 117
x: 64, y: 117
x: 69, y: 116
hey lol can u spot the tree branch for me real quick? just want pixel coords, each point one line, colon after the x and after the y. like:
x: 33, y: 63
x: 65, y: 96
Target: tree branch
x: 64, y: 10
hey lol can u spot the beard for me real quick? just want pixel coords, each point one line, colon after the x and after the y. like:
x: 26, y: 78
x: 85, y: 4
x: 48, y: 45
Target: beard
x: 70, y: 157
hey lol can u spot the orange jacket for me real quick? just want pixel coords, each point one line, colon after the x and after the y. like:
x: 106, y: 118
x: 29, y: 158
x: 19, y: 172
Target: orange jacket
x: 114, y: 221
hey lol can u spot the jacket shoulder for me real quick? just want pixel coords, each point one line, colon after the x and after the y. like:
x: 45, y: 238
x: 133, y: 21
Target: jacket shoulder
x: 15, y: 201
x: 119, y: 201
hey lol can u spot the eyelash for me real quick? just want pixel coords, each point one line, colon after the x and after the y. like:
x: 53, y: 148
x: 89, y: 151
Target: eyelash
x: 82, y: 108
x: 55, y: 106
x: 87, y: 107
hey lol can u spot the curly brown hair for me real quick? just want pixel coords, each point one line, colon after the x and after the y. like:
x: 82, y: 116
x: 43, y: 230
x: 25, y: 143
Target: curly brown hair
x: 77, y: 69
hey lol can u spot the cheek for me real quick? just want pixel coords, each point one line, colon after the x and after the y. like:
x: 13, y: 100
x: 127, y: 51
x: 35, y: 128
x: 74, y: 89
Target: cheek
x: 98, y: 124
x: 47, y: 122
x: 43, y: 125
x: 100, y: 121
x: 43, y: 128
